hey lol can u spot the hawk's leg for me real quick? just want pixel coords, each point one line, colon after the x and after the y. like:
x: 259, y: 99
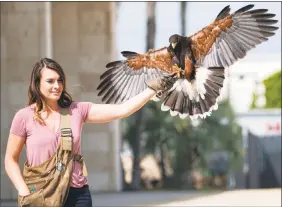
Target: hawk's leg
x: 178, y: 70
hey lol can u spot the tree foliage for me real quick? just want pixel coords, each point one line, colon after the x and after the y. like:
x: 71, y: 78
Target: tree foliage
x: 272, y: 86
x: 273, y: 90
x: 220, y: 132
x: 180, y: 137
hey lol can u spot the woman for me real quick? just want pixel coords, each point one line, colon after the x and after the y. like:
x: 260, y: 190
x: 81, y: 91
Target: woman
x: 38, y: 125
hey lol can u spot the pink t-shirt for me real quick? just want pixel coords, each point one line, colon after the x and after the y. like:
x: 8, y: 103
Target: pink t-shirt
x: 41, y: 143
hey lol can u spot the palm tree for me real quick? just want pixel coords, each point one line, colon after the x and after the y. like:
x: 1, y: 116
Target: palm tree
x: 183, y: 17
x: 139, y: 116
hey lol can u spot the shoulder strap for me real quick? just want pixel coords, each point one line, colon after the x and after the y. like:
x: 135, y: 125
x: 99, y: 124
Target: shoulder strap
x: 65, y: 118
x: 66, y: 135
x: 66, y: 132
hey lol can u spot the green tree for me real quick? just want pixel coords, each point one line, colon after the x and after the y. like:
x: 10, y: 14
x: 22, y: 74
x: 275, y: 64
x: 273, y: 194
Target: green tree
x: 220, y: 132
x: 273, y: 90
x: 272, y: 86
x: 173, y: 137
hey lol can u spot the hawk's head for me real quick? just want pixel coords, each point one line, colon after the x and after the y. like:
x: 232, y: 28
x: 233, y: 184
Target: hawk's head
x: 174, y: 39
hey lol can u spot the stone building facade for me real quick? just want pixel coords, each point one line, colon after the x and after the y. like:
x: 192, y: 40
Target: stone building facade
x: 81, y: 37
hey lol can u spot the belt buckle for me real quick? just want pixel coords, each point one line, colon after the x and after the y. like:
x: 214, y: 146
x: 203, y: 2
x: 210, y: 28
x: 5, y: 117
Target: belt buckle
x: 66, y: 132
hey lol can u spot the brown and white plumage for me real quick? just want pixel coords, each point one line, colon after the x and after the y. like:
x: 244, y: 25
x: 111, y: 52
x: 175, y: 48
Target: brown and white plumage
x: 231, y: 36
x: 125, y: 79
x: 201, y: 57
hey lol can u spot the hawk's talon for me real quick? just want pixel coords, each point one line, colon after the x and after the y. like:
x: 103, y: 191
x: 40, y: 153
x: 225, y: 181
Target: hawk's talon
x: 178, y: 70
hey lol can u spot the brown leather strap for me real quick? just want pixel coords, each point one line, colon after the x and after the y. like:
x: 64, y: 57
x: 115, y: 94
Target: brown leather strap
x: 65, y: 118
x: 67, y: 132
x: 80, y: 159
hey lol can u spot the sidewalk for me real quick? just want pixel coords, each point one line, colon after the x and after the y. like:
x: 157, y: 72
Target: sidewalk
x: 126, y: 199
x: 260, y: 197
x: 147, y: 199
x: 242, y: 198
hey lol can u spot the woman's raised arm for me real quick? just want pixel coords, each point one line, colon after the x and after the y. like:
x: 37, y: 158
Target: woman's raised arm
x: 101, y: 113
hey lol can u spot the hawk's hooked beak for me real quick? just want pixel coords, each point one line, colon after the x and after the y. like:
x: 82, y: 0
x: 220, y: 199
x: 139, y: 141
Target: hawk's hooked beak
x: 173, y: 45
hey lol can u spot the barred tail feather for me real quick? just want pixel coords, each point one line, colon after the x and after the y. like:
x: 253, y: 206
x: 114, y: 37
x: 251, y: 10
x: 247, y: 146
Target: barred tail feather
x: 197, y: 98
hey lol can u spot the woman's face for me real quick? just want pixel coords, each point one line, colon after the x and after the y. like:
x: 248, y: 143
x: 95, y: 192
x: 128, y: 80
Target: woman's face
x: 51, y: 85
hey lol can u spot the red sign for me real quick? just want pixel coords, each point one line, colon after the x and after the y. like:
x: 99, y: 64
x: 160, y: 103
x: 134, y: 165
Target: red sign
x: 273, y: 127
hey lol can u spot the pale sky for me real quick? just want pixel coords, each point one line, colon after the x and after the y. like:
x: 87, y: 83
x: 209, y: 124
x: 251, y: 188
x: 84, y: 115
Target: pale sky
x: 259, y: 62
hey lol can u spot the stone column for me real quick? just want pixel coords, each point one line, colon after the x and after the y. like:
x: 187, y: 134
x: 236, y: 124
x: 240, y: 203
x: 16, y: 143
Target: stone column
x: 22, y: 44
x: 82, y: 41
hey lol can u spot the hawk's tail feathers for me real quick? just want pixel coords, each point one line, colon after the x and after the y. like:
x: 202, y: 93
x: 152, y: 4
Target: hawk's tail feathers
x: 197, y: 98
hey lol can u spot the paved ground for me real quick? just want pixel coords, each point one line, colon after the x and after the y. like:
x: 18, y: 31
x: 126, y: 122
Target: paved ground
x: 269, y: 197
x: 127, y: 199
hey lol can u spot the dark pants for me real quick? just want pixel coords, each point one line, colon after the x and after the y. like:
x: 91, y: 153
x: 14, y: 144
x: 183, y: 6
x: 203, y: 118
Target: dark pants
x: 79, y: 197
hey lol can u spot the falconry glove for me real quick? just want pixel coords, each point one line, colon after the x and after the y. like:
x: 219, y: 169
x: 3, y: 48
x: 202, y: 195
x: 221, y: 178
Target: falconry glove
x: 161, y: 84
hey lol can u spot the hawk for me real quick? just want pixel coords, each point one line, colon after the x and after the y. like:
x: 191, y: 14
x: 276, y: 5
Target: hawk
x: 199, y: 62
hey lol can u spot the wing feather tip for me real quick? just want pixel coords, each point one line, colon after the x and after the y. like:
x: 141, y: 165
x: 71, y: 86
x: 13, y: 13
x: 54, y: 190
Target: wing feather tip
x: 164, y: 107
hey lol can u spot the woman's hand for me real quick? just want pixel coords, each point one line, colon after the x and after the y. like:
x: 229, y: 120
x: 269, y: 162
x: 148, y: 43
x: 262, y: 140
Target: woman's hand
x: 24, y: 191
x: 13, y: 151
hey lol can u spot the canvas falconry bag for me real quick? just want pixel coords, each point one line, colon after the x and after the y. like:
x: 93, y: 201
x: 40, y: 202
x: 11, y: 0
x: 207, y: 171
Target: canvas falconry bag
x: 49, y: 182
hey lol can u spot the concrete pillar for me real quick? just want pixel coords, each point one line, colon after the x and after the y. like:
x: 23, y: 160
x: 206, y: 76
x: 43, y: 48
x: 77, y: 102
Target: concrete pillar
x: 80, y: 37
x: 22, y: 43
x: 83, y: 43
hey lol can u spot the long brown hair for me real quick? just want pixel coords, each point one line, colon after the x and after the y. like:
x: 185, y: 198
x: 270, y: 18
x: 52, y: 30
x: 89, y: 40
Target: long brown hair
x: 34, y: 94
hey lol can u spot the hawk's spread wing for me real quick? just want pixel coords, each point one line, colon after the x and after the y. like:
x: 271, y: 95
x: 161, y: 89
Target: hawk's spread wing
x: 230, y: 37
x: 126, y: 78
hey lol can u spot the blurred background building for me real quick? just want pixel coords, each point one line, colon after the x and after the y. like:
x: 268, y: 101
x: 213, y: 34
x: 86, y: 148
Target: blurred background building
x: 81, y: 37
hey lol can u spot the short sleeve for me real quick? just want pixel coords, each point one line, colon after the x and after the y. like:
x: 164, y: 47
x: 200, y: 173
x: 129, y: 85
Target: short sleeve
x: 84, y: 108
x: 18, y: 126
